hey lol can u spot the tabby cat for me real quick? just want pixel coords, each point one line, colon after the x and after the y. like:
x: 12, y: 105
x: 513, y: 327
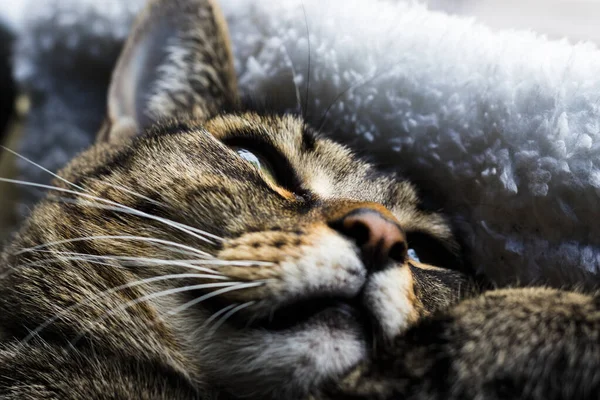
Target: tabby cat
x: 199, y: 251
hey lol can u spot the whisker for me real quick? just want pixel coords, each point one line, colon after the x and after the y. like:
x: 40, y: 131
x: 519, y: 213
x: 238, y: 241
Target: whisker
x: 134, y: 260
x: 121, y: 210
x: 124, y: 237
x: 153, y: 296
x: 42, y: 262
x: 132, y: 210
x: 229, y: 315
x: 238, y: 263
x: 357, y: 84
x: 158, y: 261
x: 297, y: 89
x: 130, y: 191
x: 42, y: 168
x: 308, y: 72
x: 216, y: 315
x: 251, y: 320
x: 107, y: 293
x: 271, y: 314
x: 207, y: 296
x: 199, y: 231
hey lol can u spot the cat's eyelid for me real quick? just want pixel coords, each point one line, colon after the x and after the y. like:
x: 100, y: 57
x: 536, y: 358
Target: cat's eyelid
x: 256, y: 159
x: 266, y: 169
x: 283, y: 175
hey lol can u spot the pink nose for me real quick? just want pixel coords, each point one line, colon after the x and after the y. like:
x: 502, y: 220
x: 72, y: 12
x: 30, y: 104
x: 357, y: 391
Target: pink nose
x: 378, y: 238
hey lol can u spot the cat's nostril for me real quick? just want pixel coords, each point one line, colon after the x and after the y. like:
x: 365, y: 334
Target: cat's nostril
x: 399, y: 251
x: 358, y: 231
x: 379, y: 239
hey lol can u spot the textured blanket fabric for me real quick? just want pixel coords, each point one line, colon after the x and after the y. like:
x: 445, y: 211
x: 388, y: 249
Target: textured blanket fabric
x: 501, y: 128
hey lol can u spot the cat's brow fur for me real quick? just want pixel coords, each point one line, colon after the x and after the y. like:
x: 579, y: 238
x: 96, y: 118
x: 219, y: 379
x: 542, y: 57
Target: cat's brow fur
x: 92, y: 306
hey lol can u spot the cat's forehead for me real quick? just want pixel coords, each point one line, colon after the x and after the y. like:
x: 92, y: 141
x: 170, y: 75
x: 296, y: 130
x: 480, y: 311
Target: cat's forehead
x: 188, y: 149
x: 286, y: 132
x: 323, y: 167
x: 326, y: 168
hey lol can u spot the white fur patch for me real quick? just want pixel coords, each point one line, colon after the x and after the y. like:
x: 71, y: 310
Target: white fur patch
x: 279, y: 364
x: 321, y: 185
x: 389, y: 297
x: 330, y: 266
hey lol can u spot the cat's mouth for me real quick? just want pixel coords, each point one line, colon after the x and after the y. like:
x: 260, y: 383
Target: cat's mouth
x: 335, y: 311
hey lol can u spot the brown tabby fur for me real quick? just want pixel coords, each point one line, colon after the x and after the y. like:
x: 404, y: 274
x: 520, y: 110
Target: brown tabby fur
x: 77, y: 322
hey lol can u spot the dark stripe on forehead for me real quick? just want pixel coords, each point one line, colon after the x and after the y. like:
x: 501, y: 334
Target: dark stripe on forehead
x: 175, y: 127
x: 120, y: 160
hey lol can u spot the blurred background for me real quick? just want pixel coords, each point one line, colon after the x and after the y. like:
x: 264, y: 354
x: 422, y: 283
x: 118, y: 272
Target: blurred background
x: 576, y: 20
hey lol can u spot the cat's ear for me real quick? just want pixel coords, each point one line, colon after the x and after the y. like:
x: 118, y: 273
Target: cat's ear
x: 176, y: 62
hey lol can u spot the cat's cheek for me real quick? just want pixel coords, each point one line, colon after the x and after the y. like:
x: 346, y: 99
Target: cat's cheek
x: 390, y: 298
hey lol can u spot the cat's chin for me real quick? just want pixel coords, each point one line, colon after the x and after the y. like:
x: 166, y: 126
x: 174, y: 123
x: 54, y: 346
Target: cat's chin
x: 288, y: 362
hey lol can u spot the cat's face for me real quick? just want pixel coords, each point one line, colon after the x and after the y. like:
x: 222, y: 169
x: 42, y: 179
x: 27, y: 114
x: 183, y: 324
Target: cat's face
x: 300, y: 250
x: 306, y: 244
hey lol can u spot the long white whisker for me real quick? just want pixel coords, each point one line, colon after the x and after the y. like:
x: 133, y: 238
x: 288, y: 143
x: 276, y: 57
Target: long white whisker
x: 238, y: 263
x: 309, y: 56
x: 133, y: 260
x: 159, y: 261
x: 42, y: 168
x: 130, y: 191
x: 132, y: 210
x: 200, y: 299
x: 141, y: 196
x: 42, y: 262
x: 298, y: 96
x: 125, y: 237
x: 229, y: 315
x: 113, y: 290
x: 153, y: 296
x: 199, y: 231
x: 135, y: 212
x: 216, y: 315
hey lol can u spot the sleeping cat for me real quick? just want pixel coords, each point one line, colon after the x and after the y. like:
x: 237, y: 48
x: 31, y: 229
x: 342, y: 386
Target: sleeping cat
x: 200, y: 251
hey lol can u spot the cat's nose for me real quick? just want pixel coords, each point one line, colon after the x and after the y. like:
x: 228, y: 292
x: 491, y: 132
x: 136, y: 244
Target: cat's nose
x: 379, y: 239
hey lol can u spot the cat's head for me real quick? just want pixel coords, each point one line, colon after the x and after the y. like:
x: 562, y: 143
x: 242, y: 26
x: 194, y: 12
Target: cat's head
x: 301, y: 250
